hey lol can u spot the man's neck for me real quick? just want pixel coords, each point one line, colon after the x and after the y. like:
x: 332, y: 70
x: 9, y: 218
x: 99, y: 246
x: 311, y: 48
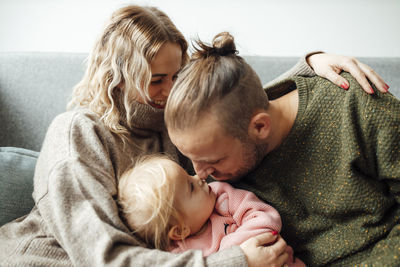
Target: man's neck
x: 283, y: 112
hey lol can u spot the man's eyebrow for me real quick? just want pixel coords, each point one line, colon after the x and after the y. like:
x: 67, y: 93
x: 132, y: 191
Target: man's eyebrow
x: 211, y: 161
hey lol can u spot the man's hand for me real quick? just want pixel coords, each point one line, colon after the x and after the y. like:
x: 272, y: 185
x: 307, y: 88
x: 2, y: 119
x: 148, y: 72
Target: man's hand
x: 330, y: 66
x: 266, y: 249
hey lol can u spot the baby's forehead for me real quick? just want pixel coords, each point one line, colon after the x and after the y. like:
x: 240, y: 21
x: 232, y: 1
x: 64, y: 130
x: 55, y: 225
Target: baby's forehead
x: 174, y: 171
x: 168, y: 163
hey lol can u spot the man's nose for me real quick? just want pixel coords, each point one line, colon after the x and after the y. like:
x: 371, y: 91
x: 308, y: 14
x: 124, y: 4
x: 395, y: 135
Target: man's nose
x: 203, y: 170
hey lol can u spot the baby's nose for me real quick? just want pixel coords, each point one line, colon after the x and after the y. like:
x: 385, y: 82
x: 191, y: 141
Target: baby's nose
x: 198, y: 179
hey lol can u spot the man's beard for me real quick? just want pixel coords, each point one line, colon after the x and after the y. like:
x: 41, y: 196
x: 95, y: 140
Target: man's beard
x: 252, y: 156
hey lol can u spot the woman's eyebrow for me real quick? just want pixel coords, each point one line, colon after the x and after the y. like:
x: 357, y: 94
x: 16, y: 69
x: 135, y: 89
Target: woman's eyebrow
x: 158, y: 75
x: 164, y: 74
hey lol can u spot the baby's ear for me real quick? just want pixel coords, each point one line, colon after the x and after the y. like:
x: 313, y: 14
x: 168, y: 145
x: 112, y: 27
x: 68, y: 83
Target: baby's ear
x: 178, y: 232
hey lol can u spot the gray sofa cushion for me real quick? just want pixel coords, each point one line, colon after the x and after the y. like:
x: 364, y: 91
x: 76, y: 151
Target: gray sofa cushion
x: 17, y: 167
x: 34, y: 88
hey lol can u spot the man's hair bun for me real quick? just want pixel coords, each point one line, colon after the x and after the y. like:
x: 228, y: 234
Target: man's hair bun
x: 223, y: 44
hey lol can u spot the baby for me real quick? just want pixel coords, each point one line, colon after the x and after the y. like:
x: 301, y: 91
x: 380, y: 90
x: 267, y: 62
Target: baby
x: 174, y: 211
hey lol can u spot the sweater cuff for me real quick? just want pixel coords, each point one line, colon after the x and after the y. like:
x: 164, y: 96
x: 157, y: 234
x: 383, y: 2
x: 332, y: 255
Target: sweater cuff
x: 301, y: 68
x: 233, y: 256
x: 309, y: 55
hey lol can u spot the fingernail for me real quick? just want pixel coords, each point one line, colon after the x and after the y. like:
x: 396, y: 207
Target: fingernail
x: 274, y: 232
x: 386, y: 86
x: 344, y: 86
x: 370, y: 90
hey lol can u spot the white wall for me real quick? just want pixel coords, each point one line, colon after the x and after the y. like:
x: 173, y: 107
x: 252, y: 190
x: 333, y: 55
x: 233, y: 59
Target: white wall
x: 261, y: 27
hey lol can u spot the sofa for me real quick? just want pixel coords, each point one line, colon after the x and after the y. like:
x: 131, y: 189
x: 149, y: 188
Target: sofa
x: 35, y: 87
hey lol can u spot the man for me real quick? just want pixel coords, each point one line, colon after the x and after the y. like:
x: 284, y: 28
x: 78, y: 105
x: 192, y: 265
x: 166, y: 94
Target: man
x: 327, y: 160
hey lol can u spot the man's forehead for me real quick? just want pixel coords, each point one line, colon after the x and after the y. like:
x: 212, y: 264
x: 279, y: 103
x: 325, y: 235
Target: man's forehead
x: 199, y: 146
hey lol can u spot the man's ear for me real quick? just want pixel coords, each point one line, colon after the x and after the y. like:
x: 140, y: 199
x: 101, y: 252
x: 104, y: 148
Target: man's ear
x: 178, y: 232
x: 260, y: 126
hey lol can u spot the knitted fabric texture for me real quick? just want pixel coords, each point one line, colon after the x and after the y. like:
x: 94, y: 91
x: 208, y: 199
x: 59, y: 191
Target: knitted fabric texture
x: 238, y: 215
x: 75, y: 220
x: 335, y: 179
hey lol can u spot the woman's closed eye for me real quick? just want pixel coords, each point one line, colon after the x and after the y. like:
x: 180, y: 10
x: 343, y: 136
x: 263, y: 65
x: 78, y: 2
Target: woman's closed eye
x: 156, y: 81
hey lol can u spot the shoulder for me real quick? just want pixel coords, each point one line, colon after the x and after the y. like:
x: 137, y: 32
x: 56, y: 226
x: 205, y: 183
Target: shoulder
x: 77, y: 132
x: 320, y: 89
x: 78, y: 124
x: 78, y: 118
x: 377, y: 107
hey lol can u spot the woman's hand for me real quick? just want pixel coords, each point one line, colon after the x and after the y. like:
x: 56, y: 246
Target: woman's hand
x: 330, y: 66
x: 268, y: 249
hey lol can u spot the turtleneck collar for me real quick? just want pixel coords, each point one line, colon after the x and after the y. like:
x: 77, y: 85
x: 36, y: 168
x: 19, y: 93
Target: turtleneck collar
x: 147, y: 117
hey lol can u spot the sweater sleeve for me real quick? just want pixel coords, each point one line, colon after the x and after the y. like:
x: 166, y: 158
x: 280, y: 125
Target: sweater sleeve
x: 251, y: 215
x: 380, y: 133
x: 75, y: 187
x: 301, y: 68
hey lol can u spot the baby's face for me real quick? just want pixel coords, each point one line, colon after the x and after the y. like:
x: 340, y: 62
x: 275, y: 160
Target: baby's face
x: 194, y: 196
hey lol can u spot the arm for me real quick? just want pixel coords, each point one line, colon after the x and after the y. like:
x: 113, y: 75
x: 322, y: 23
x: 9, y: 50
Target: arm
x: 253, y: 218
x: 251, y: 215
x: 387, y: 152
x: 382, y: 124
x: 75, y: 185
x: 301, y: 68
x: 329, y: 66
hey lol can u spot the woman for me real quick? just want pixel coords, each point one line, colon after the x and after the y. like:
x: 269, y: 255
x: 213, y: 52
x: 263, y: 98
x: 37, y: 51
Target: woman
x: 117, y: 114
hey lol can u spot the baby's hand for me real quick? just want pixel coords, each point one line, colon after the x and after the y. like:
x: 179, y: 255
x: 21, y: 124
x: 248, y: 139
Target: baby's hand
x: 268, y: 249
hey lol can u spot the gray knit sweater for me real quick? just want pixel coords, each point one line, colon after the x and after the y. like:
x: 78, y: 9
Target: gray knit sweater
x: 75, y: 219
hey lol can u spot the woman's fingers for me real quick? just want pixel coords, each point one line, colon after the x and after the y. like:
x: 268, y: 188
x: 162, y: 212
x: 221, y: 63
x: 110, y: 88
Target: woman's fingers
x: 268, y: 249
x: 354, y: 69
x: 374, y: 77
x: 265, y: 238
x: 330, y: 66
x: 283, y: 258
x: 334, y: 77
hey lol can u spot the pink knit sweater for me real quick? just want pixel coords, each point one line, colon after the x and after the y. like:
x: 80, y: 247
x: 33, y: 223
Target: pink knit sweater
x: 237, y: 216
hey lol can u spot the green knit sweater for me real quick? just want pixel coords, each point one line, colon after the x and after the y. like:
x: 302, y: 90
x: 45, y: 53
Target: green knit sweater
x: 336, y: 177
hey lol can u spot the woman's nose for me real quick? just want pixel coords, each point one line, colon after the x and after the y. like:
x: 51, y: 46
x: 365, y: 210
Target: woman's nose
x: 167, y: 87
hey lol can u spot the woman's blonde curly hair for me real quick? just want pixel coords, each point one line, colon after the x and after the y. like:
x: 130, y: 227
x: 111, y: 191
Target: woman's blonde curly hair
x: 118, y: 71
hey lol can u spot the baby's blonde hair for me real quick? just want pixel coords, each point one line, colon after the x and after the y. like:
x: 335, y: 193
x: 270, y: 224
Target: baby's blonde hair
x: 145, y: 196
